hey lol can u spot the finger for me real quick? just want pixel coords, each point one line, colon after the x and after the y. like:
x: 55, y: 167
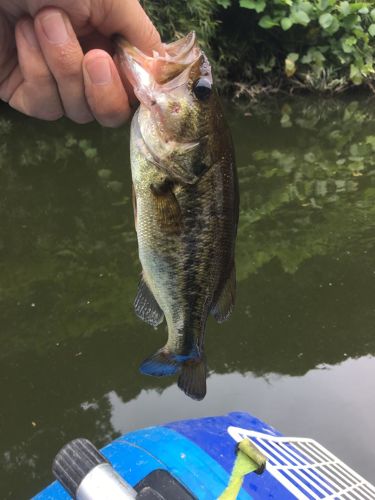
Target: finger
x: 64, y: 57
x: 11, y: 84
x: 104, y: 90
x: 8, y: 55
x: 130, y: 20
x: 36, y: 94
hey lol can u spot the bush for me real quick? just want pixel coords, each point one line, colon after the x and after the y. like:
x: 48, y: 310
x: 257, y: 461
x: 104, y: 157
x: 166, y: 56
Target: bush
x: 321, y: 45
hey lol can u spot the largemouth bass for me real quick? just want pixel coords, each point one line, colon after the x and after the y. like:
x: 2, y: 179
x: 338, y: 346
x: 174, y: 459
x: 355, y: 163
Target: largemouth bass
x: 185, y: 199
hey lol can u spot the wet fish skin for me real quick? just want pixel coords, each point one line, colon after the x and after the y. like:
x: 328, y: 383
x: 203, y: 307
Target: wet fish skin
x: 186, y: 213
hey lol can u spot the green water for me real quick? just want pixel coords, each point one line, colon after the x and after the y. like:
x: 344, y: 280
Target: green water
x: 299, y: 348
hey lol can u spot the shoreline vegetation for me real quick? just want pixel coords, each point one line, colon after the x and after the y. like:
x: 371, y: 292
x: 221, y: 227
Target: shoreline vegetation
x: 261, y: 47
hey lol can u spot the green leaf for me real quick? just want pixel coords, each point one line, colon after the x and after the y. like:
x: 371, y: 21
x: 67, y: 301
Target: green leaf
x: 348, y: 43
x: 372, y: 14
x: 344, y: 8
x: 350, y: 21
x: 323, y: 5
x: 266, y: 22
x: 293, y: 56
x: 224, y: 3
x: 257, y: 5
x: 355, y: 75
x: 335, y: 26
x: 300, y: 17
x: 325, y: 20
x: 371, y: 29
x: 314, y: 56
x: 307, y: 58
x: 286, y: 23
x: 370, y: 139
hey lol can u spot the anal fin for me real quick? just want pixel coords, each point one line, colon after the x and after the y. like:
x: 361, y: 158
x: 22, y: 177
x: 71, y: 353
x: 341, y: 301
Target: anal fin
x: 223, y: 306
x: 160, y: 364
x: 146, y: 307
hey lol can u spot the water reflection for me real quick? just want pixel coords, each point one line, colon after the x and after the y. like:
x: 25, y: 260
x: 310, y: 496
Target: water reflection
x: 286, y: 401
x: 71, y: 344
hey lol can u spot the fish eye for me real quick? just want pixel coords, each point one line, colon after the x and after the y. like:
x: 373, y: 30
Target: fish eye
x: 202, y: 89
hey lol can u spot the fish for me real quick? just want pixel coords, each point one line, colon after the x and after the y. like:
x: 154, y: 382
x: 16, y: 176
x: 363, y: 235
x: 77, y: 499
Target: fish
x: 186, y: 204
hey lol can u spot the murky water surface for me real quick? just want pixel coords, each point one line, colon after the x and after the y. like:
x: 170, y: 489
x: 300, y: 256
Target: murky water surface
x: 299, y: 349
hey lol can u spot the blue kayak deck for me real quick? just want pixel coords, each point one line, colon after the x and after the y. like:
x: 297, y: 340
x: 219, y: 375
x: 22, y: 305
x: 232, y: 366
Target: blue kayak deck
x: 199, y: 453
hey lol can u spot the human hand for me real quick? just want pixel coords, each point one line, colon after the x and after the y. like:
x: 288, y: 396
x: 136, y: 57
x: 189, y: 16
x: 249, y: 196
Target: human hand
x: 55, y: 61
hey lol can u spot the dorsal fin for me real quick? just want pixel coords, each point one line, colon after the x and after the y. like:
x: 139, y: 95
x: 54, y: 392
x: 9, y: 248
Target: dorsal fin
x: 146, y: 307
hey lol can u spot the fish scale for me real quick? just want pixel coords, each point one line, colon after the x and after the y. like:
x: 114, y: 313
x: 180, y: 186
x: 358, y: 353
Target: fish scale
x: 186, y: 206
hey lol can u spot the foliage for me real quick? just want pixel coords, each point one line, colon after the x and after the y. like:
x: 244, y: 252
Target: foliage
x: 321, y: 45
x: 315, y: 37
x: 177, y: 18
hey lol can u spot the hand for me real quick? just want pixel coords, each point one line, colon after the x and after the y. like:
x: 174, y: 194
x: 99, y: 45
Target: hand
x: 55, y: 57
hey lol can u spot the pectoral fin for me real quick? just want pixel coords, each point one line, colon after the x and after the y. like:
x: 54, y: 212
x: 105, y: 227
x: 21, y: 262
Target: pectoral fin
x: 146, y: 307
x: 168, y: 211
x: 222, y: 308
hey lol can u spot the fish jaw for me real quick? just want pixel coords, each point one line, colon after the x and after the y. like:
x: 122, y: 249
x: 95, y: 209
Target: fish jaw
x: 152, y: 76
x: 138, y: 69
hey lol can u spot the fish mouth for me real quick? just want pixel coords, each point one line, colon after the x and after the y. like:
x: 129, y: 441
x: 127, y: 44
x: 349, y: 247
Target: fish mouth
x: 158, y: 73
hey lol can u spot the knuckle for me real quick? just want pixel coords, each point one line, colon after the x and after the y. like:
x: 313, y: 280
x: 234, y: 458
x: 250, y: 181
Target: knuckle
x: 67, y: 64
x: 43, y: 103
x: 44, y: 78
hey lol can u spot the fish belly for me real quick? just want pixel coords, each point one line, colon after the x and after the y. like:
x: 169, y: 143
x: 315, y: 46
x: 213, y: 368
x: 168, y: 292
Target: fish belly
x: 184, y: 266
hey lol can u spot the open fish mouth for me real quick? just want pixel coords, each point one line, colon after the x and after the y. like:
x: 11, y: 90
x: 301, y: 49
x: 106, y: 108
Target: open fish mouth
x: 158, y: 73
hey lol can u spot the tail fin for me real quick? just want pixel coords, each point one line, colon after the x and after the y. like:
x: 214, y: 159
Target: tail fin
x: 160, y: 364
x: 193, y: 378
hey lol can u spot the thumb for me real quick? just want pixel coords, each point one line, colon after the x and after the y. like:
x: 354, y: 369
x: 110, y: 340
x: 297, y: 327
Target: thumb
x: 127, y: 18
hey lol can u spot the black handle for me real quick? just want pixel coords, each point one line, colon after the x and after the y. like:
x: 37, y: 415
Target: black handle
x: 74, y: 461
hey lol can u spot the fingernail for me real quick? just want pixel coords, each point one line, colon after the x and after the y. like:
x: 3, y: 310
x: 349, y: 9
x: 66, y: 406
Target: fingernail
x: 54, y: 28
x: 99, y: 71
x: 27, y: 29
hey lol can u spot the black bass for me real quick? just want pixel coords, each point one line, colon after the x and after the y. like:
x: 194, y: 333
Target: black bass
x: 185, y: 198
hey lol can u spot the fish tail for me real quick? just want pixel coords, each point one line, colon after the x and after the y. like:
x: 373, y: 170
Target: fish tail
x: 160, y: 364
x: 192, y: 379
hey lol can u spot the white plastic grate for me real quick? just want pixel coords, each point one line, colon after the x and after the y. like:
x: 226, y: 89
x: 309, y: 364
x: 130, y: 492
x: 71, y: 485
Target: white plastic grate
x: 307, y: 469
